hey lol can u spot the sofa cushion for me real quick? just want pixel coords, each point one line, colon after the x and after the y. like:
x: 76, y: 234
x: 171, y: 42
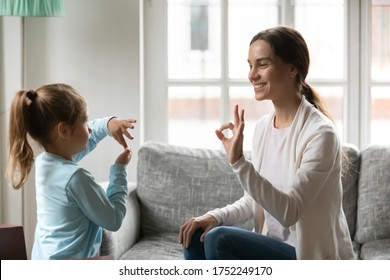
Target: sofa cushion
x: 177, y: 183
x: 376, y: 250
x: 107, y: 246
x: 158, y: 246
x: 116, y: 243
x: 373, y: 213
x: 356, y: 250
x: 349, y: 181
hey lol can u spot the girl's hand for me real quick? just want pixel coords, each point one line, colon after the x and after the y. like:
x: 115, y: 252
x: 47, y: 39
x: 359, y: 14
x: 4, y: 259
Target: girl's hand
x: 124, y: 157
x: 118, y: 128
x: 234, y: 145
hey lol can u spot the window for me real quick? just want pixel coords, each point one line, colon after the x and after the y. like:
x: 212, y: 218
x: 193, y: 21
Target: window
x: 199, y: 70
x: 207, y: 70
x: 380, y: 72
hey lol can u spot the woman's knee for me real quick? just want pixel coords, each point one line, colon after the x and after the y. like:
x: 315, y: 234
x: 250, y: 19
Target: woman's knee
x: 195, y: 250
x: 214, y: 235
x: 216, y: 242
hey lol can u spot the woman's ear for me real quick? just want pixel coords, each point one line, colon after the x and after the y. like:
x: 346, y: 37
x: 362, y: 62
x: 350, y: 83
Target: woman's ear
x: 293, y: 72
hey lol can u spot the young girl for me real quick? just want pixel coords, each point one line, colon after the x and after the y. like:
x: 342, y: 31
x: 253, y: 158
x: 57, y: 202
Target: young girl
x: 71, y: 206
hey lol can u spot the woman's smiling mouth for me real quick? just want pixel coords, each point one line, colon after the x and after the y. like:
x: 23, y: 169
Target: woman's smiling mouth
x: 259, y: 86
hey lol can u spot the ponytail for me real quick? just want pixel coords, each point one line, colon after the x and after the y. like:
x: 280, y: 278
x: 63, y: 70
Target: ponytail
x: 21, y: 156
x: 315, y: 98
x: 35, y: 114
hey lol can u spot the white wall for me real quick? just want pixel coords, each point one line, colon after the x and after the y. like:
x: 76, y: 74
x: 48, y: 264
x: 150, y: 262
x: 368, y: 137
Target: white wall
x: 95, y: 48
x: 10, y: 81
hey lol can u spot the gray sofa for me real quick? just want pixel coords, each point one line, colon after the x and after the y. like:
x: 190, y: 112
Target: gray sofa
x: 176, y: 183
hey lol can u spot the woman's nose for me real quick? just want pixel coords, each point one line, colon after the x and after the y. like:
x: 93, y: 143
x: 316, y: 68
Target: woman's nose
x: 252, y: 75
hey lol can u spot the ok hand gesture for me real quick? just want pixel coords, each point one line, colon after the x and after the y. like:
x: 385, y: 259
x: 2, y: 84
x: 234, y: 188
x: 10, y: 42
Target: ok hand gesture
x: 119, y: 128
x: 234, y: 145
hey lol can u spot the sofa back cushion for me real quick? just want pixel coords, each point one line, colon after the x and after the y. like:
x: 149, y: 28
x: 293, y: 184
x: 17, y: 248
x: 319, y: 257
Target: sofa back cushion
x: 177, y: 183
x: 373, y: 213
x: 349, y: 181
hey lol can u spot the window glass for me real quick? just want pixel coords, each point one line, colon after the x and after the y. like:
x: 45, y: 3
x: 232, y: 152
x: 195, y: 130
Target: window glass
x: 380, y: 40
x: 194, y: 115
x: 380, y: 72
x: 321, y: 23
x: 200, y: 65
x: 194, y: 39
x: 247, y: 18
x: 326, y: 42
x: 380, y: 115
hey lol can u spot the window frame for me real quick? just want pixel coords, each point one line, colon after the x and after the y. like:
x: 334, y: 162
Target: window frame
x: 357, y: 103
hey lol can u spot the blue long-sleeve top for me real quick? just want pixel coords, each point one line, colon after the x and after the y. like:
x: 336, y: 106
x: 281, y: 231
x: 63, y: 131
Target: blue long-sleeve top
x: 72, y: 207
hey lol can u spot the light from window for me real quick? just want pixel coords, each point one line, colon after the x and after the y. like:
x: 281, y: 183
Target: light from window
x: 194, y: 115
x: 380, y: 43
x: 207, y: 74
x: 247, y: 18
x: 194, y: 39
x: 380, y: 72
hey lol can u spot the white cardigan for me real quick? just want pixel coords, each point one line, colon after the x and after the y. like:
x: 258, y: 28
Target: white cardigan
x: 312, y: 206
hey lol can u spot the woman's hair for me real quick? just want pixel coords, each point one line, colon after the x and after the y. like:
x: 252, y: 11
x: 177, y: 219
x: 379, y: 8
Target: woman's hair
x: 36, y: 113
x: 289, y: 45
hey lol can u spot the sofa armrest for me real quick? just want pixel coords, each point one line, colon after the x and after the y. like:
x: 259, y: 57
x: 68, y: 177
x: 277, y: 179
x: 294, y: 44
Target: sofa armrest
x: 116, y: 243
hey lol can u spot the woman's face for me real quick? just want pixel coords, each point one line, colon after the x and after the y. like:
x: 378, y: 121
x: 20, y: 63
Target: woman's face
x: 271, y: 77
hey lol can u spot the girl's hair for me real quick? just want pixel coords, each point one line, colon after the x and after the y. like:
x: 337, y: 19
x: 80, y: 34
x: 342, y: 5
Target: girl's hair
x: 289, y: 45
x: 36, y: 113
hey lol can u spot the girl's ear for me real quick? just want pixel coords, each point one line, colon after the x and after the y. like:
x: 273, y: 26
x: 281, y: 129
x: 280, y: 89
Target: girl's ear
x: 63, y: 130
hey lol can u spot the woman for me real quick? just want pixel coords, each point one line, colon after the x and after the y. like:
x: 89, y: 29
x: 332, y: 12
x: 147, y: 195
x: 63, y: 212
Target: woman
x: 293, y: 183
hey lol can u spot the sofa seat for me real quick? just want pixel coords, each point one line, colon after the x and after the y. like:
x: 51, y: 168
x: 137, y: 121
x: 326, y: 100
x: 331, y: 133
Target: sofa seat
x: 165, y: 245
x: 176, y: 183
x: 375, y: 250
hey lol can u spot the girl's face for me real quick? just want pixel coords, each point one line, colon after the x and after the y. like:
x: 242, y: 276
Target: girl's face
x: 271, y: 77
x: 80, y: 136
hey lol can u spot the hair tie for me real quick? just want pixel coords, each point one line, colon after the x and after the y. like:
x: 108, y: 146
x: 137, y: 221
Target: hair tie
x: 32, y: 95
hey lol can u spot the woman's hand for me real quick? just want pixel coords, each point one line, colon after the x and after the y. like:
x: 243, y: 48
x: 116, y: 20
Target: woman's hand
x: 234, y: 145
x: 205, y: 222
x: 118, y: 128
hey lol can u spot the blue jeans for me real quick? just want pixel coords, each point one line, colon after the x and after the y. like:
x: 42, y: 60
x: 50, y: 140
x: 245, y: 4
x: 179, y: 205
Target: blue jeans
x: 232, y: 243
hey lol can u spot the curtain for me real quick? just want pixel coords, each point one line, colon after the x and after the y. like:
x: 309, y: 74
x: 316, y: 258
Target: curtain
x: 34, y: 8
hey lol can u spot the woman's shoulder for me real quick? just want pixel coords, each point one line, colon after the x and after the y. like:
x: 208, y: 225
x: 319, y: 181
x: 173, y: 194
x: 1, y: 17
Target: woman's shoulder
x: 316, y: 125
x: 315, y: 120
